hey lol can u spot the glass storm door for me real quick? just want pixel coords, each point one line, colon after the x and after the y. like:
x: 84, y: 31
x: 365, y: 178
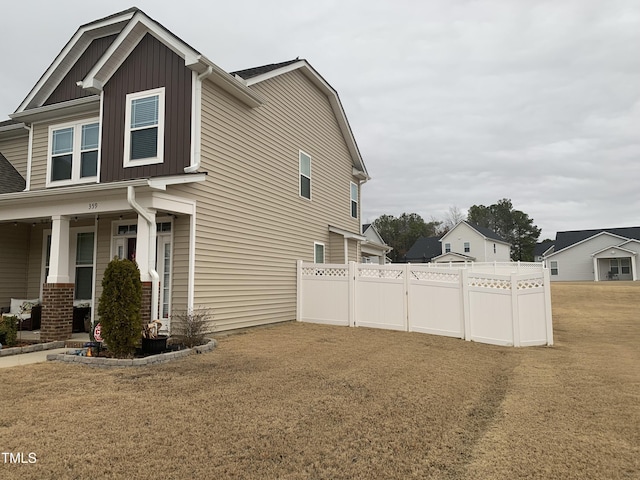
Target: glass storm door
x: 163, y: 267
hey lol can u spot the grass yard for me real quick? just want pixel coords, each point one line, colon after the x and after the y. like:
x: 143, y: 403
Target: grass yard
x: 309, y: 401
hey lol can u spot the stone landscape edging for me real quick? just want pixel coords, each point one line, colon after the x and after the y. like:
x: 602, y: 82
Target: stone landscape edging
x: 104, y: 362
x: 36, y: 347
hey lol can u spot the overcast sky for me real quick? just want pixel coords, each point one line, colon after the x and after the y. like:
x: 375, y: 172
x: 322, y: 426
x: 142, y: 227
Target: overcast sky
x: 452, y: 102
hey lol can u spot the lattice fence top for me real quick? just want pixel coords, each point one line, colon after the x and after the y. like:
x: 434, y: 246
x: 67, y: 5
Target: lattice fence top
x: 494, y: 283
x: 530, y: 283
x: 368, y: 272
x: 325, y: 271
x: 435, y: 276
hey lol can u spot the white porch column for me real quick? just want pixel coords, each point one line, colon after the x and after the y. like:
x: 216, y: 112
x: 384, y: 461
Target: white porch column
x: 634, y: 272
x: 59, y: 259
x: 346, y: 250
x: 145, y: 247
x: 595, y: 269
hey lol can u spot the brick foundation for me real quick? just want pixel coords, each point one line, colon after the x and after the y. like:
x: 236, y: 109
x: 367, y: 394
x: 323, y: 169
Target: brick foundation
x: 57, y: 311
x: 145, y: 311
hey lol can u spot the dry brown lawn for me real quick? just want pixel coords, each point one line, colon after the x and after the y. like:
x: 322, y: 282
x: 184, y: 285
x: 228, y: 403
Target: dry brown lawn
x: 310, y: 401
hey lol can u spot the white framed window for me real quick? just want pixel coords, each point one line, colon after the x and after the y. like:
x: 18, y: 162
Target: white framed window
x: 494, y: 248
x: 305, y: 175
x: 84, y: 266
x: 354, y: 200
x: 467, y: 247
x: 144, y: 128
x: 318, y: 252
x: 81, y: 260
x: 447, y: 247
x: 613, y: 266
x: 553, y: 265
x: 625, y: 266
x: 73, y: 153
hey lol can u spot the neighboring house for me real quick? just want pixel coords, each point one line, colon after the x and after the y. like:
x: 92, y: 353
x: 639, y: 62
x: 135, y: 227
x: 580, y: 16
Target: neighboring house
x: 374, y: 249
x: 595, y: 255
x: 467, y: 242
x: 423, y: 250
x: 541, y: 249
x: 134, y: 144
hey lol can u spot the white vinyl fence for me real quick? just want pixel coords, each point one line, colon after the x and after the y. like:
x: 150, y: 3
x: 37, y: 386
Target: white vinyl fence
x: 506, y: 308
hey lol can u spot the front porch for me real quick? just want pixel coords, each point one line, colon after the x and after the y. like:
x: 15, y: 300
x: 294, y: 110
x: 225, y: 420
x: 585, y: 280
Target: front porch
x: 614, y: 263
x: 59, y: 259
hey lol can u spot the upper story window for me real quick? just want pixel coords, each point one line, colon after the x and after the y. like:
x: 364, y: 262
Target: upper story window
x: 305, y: 175
x: 73, y: 153
x: 144, y: 128
x: 447, y: 247
x: 467, y: 247
x: 354, y: 200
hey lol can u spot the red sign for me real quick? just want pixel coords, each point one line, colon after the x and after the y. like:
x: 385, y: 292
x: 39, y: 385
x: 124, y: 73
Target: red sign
x: 96, y: 333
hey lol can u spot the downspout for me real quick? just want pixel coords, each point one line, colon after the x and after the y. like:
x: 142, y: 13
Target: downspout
x: 27, y: 186
x: 197, y: 120
x: 155, y: 278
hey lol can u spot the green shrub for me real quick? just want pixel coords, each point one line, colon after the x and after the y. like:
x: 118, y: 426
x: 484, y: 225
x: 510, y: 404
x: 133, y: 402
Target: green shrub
x: 119, y: 307
x: 8, y: 330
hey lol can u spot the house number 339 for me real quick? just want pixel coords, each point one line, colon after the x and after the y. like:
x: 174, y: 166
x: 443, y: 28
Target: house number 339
x: 93, y: 206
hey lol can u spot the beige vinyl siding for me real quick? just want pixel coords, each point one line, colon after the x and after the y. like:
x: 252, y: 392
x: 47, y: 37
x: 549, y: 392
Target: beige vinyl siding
x: 14, y: 256
x: 16, y: 150
x: 41, y: 148
x: 252, y: 224
x: 34, y: 268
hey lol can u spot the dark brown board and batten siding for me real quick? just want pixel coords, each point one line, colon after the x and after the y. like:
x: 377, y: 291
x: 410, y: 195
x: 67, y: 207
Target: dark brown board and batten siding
x: 68, y: 89
x: 150, y: 65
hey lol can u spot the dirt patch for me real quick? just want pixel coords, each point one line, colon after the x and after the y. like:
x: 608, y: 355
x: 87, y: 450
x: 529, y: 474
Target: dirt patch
x: 311, y: 401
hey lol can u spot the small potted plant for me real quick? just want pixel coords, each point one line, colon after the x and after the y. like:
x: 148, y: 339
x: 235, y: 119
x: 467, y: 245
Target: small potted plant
x: 152, y: 341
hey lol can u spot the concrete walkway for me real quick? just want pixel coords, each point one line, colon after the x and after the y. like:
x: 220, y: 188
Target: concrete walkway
x: 28, y: 358
x: 39, y: 356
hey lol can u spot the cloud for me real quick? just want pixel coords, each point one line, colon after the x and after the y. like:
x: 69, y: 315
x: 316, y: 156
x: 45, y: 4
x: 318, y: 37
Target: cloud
x: 451, y: 102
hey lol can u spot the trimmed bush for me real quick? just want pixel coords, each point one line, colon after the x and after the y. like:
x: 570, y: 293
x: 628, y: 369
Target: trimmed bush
x: 119, y: 307
x: 8, y: 330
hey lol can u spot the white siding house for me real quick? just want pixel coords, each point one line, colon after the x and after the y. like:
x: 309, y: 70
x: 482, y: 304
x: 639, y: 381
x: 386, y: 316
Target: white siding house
x: 595, y: 255
x: 467, y: 242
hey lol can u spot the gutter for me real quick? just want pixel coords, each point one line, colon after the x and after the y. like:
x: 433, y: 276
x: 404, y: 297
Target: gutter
x: 151, y: 220
x: 198, y: 121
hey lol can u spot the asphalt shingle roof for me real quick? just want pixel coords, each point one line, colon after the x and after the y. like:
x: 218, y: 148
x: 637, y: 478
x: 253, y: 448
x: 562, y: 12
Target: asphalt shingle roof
x: 424, y: 249
x: 566, y: 239
x: 255, y: 71
x: 542, y: 247
x: 10, y: 180
x: 487, y: 232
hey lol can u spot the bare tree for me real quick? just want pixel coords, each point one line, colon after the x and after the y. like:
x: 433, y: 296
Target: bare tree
x: 451, y: 219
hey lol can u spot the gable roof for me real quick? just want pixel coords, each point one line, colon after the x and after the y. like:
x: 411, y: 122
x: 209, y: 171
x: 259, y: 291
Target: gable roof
x: 10, y: 180
x: 542, y: 247
x: 461, y: 256
x: 129, y: 26
x: 570, y: 238
x: 424, y: 249
x: 613, y: 248
x: 252, y: 76
x: 485, y: 232
x: 255, y: 71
